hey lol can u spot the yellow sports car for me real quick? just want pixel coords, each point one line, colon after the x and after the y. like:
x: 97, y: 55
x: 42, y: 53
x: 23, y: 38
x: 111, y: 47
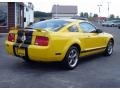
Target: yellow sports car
x: 61, y: 40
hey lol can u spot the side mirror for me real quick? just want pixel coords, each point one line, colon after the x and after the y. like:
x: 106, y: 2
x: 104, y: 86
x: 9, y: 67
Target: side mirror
x: 99, y: 31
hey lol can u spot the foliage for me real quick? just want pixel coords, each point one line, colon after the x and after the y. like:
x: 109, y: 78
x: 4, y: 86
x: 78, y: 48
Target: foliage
x: 112, y: 16
x: 38, y: 14
x: 95, y: 15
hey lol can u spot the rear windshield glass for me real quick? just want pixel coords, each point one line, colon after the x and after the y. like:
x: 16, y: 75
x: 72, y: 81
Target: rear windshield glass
x: 52, y: 25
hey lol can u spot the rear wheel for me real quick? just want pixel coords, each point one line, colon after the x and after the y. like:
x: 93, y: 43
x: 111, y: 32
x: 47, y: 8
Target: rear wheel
x: 71, y: 59
x: 109, y: 48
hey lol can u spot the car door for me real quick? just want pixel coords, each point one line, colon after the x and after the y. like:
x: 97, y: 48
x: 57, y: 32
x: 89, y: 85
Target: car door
x: 91, y: 39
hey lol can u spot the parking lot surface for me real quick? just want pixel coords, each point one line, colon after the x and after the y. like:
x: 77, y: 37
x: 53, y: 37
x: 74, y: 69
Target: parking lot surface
x: 93, y: 71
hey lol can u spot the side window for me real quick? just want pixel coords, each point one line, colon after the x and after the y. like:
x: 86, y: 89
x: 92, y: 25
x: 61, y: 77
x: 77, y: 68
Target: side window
x: 73, y: 28
x: 86, y: 27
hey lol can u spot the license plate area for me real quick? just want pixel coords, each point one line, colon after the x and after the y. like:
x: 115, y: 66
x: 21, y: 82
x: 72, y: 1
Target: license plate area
x: 20, y: 51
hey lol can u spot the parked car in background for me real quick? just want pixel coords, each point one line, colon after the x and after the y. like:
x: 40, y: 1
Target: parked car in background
x: 106, y: 23
x: 115, y: 23
x: 119, y: 26
x: 61, y: 40
x: 112, y: 23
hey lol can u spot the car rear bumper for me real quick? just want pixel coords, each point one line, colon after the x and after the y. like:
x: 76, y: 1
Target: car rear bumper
x: 33, y: 52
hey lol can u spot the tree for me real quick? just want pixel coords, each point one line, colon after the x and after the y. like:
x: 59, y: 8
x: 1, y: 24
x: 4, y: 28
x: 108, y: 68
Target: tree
x: 86, y: 15
x: 81, y: 14
x: 90, y: 15
x: 95, y: 15
x: 112, y: 16
x: 117, y: 17
x: 38, y: 14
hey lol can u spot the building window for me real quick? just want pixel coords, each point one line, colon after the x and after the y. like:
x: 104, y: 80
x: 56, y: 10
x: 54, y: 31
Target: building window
x: 17, y: 14
x: 3, y: 13
x: 19, y: 11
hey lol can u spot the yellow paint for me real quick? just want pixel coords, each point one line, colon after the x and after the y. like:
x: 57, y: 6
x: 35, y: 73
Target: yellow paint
x: 61, y: 41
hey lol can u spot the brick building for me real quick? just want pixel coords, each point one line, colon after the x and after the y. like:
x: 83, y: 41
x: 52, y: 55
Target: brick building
x: 11, y: 15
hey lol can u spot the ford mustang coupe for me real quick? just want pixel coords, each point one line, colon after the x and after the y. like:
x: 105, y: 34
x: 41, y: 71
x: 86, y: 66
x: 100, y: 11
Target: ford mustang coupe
x: 61, y: 40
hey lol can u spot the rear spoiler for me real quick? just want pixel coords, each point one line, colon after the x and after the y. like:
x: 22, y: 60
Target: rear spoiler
x: 19, y: 28
x: 40, y: 29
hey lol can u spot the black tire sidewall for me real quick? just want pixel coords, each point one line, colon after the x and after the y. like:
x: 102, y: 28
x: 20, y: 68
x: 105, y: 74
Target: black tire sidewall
x: 65, y: 60
x: 106, y: 50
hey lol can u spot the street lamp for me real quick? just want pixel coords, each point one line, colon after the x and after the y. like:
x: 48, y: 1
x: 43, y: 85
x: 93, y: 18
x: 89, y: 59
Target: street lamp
x: 99, y: 6
x: 108, y: 8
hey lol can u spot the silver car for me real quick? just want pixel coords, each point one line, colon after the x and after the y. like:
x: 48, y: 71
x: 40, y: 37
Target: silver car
x: 112, y: 23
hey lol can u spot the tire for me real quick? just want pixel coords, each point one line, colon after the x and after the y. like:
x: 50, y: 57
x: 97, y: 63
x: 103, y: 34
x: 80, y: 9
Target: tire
x: 71, y: 58
x: 112, y: 25
x: 109, y: 48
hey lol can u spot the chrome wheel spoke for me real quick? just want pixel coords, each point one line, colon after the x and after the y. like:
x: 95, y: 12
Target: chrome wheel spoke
x: 73, y: 58
x: 110, y: 48
x: 70, y: 61
x: 74, y: 55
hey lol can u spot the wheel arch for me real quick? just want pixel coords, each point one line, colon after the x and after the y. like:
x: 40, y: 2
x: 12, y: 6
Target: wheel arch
x: 77, y: 46
x: 112, y: 40
x: 73, y: 44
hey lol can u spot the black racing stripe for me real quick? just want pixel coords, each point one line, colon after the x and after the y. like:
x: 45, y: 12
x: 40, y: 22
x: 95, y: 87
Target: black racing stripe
x: 16, y: 45
x: 25, y: 44
x: 28, y: 35
x: 19, y: 36
x: 92, y: 50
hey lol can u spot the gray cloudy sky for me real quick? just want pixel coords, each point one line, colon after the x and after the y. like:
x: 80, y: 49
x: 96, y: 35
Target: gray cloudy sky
x: 89, y: 6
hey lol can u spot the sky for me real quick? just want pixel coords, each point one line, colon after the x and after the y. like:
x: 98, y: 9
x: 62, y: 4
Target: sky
x: 89, y: 6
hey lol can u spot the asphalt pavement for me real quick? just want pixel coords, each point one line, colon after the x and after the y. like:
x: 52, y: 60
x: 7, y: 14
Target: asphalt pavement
x: 95, y: 71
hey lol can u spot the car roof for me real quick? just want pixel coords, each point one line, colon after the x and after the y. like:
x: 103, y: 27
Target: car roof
x: 69, y: 20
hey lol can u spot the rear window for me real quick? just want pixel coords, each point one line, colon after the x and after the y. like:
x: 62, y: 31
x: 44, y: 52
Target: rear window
x: 52, y: 25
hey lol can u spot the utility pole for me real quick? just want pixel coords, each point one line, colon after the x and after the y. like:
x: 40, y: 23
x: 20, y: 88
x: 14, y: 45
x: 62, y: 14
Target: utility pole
x: 99, y: 6
x: 108, y: 8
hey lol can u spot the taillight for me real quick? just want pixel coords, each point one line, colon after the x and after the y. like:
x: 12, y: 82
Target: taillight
x: 41, y: 41
x: 11, y: 37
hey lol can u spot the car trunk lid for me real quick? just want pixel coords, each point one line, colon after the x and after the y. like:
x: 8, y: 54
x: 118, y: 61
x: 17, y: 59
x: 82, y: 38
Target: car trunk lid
x: 28, y: 36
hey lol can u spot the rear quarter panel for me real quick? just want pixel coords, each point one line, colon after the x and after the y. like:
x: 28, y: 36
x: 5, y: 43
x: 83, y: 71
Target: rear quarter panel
x: 62, y: 41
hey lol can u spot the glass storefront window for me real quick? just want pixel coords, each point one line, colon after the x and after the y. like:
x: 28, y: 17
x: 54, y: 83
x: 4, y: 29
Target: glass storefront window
x: 17, y: 14
x: 3, y: 13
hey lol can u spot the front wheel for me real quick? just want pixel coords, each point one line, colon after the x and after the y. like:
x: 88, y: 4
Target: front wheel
x: 109, y: 48
x: 71, y: 59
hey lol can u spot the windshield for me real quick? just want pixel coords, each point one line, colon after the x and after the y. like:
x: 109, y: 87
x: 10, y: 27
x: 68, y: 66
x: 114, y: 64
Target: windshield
x: 52, y: 25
